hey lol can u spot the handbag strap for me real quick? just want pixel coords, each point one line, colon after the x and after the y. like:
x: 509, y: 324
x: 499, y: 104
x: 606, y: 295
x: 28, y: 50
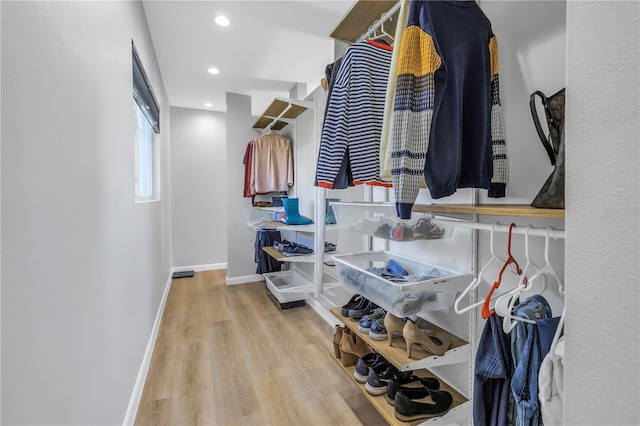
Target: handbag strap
x: 534, y: 114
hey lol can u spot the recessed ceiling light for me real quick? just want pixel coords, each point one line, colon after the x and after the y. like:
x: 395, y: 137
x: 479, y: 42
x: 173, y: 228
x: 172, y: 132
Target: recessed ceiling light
x: 213, y: 70
x: 208, y: 105
x: 223, y: 21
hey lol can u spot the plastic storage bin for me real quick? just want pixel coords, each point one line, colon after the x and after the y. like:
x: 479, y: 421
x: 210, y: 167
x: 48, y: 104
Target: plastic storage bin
x: 426, y: 287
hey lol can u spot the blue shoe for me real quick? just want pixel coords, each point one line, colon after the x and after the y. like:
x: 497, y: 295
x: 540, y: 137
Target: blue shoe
x: 377, y: 330
x: 365, y: 323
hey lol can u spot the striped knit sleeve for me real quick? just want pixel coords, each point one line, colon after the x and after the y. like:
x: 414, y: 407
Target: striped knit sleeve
x: 333, y: 140
x: 497, y: 189
x: 413, y: 109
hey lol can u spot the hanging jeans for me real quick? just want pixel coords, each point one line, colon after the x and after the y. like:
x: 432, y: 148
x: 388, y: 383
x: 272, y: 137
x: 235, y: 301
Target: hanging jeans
x: 536, y: 342
x: 493, y: 371
x: 265, y: 238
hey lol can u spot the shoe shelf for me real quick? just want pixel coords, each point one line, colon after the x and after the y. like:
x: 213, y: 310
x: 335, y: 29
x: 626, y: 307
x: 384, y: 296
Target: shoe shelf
x: 307, y: 258
x: 397, y: 353
x: 397, y: 356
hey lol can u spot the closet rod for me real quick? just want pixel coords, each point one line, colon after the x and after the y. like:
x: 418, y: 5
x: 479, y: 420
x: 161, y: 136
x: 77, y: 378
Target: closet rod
x: 539, y: 232
x: 377, y: 24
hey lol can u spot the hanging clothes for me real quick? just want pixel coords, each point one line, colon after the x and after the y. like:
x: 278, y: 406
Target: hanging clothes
x: 530, y: 343
x: 247, y: 170
x: 493, y: 371
x: 447, y: 121
x: 271, y: 164
x: 551, y: 383
x: 353, y: 120
x: 266, y: 237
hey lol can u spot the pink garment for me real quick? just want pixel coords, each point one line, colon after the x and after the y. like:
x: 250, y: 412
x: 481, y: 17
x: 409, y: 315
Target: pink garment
x: 272, y: 164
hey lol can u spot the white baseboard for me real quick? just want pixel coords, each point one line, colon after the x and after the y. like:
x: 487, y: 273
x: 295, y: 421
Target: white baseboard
x: 244, y: 279
x: 134, y: 401
x: 199, y: 268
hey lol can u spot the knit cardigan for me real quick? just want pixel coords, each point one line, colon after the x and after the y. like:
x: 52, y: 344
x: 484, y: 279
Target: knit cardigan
x: 447, y: 124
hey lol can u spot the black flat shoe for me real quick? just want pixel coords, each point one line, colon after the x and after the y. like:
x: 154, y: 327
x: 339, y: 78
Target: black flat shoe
x: 411, y: 382
x: 413, y: 404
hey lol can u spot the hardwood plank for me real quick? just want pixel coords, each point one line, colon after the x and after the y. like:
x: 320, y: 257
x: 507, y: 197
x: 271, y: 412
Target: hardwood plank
x: 227, y: 355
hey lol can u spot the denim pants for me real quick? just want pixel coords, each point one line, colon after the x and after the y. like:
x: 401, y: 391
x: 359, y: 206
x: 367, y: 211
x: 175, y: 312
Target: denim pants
x: 536, y: 342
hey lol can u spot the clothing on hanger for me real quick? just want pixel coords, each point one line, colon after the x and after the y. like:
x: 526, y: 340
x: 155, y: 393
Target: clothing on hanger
x: 448, y: 63
x: 353, y: 118
x: 271, y: 164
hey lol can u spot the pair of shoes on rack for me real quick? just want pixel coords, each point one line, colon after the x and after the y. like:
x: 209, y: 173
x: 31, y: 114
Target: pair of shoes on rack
x: 358, y: 307
x: 425, y: 229
x: 367, y: 321
x: 349, y: 347
x: 373, y: 324
x: 430, y: 340
x: 417, y: 398
x: 292, y: 249
x: 379, y: 376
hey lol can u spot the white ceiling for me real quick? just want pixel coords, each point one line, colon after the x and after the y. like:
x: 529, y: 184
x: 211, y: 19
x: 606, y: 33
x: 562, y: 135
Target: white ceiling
x: 269, y: 46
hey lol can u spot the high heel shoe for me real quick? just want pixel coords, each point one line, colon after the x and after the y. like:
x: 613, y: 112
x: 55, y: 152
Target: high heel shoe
x: 352, y: 348
x: 337, y: 337
x: 394, y: 326
x: 436, y: 344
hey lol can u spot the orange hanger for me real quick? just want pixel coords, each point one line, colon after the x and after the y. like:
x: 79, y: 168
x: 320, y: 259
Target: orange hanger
x: 486, y: 312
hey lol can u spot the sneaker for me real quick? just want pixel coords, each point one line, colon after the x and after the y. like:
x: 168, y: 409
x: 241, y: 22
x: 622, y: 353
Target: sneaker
x: 424, y: 228
x: 365, y: 323
x: 355, y: 301
x: 363, y: 365
x: 377, y: 331
x: 328, y: 247
x: 366, y: 309
x: 281, y: 245
x: 379, y: 376
x: 296, y: 250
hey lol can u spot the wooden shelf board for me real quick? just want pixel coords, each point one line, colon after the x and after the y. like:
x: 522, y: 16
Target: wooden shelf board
x: 397, y: 353
x: 275, y: 108
x: 515, y: 210
x: 360, y: 17
x: 385, y: 409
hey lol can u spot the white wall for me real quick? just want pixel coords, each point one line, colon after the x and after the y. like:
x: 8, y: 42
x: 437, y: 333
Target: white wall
x: 240, y: 254
x: 83, y: 267
x: 603, y: 311
x: 199, y: 188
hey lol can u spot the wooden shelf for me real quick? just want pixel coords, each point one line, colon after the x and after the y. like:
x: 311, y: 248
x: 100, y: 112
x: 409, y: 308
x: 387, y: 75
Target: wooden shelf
x: 515, y: 210
x: 278, y: 109
x: 379, y: 402
x: 396, y: 354
x: 360, y: 17
x: 385, y: 409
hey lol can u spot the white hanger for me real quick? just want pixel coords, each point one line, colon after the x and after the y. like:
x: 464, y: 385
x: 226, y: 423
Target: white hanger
x: 506, y: 302
x: 382, y: 28
x: 478, y: 280
x: 548, y: 268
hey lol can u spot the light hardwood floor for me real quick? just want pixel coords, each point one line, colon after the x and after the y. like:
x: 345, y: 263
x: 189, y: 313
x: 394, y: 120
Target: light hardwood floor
x: 227, y: 355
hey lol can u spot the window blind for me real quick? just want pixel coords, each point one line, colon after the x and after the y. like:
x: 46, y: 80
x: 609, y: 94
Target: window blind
x: 143, y: 92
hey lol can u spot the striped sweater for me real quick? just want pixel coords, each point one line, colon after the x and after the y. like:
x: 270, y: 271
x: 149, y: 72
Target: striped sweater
x: 447, y: 122
x: 353, y: 120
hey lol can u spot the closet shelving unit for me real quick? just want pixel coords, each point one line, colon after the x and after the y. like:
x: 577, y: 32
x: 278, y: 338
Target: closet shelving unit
x: 279, y: 110
x: 357, y: 22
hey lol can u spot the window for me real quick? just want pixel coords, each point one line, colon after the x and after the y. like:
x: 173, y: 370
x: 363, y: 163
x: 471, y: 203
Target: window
x: 147, y: 119
x: 144, y: 157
